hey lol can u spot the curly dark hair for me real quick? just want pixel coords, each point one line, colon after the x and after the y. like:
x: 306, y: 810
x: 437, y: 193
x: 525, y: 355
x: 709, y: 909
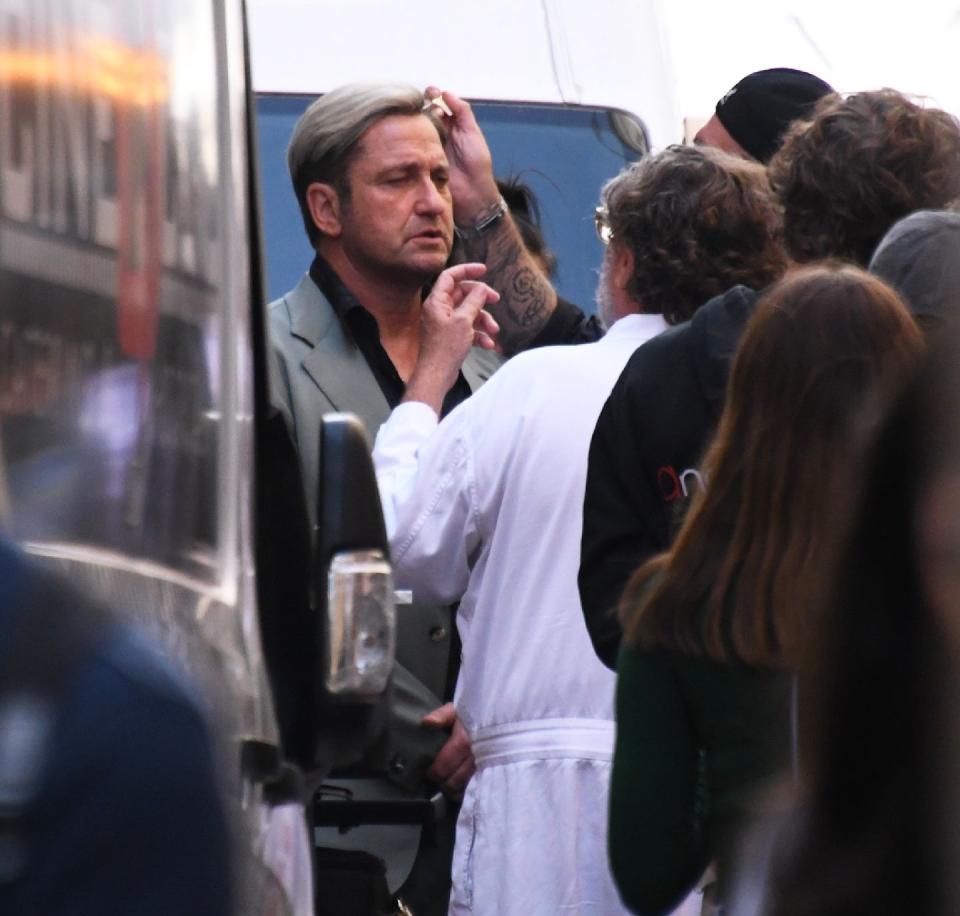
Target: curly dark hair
x: 698, y: 222
x: 859, y: 165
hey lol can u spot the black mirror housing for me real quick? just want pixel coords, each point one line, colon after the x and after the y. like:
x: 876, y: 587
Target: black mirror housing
x: 354, y: 594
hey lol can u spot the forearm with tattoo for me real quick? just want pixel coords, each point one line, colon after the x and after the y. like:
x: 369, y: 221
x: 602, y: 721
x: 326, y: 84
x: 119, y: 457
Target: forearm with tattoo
x: 527, y: 299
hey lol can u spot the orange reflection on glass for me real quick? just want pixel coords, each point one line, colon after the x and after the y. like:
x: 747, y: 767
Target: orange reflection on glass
x: 104, y: 67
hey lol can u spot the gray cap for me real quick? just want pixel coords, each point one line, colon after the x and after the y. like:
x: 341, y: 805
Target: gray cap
x: 920, y: 258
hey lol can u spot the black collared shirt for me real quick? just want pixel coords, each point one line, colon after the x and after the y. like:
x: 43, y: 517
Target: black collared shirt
x: 362, y: 327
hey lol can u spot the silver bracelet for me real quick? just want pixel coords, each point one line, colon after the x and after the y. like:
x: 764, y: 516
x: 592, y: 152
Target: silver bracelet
x: 485, y: 221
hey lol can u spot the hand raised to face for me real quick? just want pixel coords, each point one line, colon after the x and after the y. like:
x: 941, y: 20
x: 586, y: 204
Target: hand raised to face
x: 453, y: 319
x: 471, y: 165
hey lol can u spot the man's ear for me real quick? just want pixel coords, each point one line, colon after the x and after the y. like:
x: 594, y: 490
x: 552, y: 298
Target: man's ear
x: 323, y: 201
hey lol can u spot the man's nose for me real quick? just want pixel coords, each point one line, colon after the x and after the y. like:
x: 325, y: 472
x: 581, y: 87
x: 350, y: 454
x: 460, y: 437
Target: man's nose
x: 430, y: 200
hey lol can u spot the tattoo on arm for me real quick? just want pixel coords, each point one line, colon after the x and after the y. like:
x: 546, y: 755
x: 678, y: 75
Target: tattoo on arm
x: 527, y: 299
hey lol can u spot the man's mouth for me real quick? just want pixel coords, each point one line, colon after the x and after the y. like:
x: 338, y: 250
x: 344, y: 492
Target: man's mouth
x: 431, y: 234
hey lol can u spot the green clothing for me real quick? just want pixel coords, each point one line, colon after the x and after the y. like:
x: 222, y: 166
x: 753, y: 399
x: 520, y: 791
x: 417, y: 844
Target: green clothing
x: 696, y: 740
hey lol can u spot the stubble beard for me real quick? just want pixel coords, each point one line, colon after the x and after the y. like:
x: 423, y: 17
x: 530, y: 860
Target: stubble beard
x: 605, y: 306
x: 403, y: 272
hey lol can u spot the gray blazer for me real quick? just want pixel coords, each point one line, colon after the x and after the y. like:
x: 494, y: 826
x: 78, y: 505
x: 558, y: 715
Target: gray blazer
x: 317, y: 369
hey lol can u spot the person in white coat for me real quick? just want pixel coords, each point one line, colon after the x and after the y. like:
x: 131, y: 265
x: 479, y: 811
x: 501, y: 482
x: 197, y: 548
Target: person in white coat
x: 485, y: 509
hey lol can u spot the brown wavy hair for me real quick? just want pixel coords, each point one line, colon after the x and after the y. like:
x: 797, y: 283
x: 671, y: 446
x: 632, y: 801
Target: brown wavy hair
x: 878, y: 821
x: 859, y: 165
x: 821, y: 354
x: 698, y: 222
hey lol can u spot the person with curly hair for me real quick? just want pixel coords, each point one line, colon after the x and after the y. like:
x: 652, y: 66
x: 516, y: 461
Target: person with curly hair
x: 862, y: 163
x: 695, y: 235
x: 843, y: 179
x: 715, y: 626
x: 484, y: 508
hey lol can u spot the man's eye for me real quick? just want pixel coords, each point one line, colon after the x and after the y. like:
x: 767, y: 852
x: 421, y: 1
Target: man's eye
x: 441, y: 181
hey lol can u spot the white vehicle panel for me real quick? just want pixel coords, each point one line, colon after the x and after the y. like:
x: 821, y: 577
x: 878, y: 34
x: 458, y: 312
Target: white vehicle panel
x: 610, y: 52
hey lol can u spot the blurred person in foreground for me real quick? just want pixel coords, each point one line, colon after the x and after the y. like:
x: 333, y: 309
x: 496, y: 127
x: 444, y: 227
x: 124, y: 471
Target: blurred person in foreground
x: 110, y: 799
x: 752, y: 117
x: 843, y: 178
x: 920, y: 258
x: 874, y: 828
x: 715, y: 626
x: 484, y: 508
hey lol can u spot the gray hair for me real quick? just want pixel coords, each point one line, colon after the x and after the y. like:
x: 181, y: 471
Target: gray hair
x: 920, y: 258
x: 327, y: 134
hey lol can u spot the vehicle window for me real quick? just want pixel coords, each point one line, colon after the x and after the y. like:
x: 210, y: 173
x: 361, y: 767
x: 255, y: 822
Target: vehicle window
x: 563, y: 153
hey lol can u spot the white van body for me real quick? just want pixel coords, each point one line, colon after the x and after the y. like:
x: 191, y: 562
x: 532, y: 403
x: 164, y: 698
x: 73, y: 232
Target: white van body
x: 612, y: 53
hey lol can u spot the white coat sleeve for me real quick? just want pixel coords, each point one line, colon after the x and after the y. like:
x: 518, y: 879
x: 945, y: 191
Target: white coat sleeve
x: 425, y: 475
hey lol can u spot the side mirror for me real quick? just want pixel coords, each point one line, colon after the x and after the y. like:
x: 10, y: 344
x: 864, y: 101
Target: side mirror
x: 355, y: 583
x: 325, y: 596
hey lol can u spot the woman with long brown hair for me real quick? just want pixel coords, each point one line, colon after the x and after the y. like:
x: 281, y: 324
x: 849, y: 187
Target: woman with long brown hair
x: 715, y: 627
x: 874, y: 828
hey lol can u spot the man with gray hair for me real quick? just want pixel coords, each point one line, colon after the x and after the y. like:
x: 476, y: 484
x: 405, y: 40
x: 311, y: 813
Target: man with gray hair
x: 485, y: 508
x: 376, y: 192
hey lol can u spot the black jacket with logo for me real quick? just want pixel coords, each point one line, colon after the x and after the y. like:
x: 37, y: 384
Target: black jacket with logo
x: 646, y: 450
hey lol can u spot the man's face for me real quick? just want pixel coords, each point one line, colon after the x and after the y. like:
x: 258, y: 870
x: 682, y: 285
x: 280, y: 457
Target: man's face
x: 714, y: 134
x: 398, y: 216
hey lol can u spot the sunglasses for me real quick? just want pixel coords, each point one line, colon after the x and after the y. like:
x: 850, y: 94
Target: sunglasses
x: 601, y: 220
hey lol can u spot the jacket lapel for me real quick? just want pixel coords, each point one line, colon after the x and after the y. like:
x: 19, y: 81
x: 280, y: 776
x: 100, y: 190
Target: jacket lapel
x: 335, y: 364
x: 479, y: 366
x: 337, y: 367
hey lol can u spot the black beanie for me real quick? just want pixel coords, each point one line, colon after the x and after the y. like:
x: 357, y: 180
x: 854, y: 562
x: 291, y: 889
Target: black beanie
x: 759, y: 109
